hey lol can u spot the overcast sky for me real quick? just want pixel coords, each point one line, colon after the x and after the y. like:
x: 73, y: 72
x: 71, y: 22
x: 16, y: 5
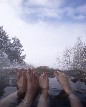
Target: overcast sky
x: 44, y: 27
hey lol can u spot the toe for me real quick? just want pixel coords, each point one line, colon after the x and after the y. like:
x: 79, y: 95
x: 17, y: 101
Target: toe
x: 56, y: 73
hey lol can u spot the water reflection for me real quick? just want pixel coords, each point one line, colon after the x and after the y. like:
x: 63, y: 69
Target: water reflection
x: 58, y: 97
x: 2, y: 86
x: 8, y: 86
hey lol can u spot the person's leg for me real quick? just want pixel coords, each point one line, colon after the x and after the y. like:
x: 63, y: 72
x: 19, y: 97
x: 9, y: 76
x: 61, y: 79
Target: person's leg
x: 7, y: 101
x: 44, y: 85
x: 32, y: 86
x: 21, y: 83
x: 15, y: 98
x: 63, y: 80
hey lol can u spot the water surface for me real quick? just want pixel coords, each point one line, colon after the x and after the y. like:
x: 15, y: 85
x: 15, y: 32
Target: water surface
x: 79, y: 89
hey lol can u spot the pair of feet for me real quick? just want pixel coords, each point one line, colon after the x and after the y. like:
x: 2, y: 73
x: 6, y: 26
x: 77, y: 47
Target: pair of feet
x: 28, y: 82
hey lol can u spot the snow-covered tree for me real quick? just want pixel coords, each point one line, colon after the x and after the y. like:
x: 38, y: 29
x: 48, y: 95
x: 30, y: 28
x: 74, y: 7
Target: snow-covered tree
x: 75, y: 57
x: 11, y: 47
x: 4, y: 61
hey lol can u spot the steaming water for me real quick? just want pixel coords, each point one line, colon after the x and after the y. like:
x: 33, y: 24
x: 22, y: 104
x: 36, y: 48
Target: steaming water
x: 79, y: 89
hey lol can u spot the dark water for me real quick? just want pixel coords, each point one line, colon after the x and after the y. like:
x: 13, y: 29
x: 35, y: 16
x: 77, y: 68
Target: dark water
x: 56, y: 96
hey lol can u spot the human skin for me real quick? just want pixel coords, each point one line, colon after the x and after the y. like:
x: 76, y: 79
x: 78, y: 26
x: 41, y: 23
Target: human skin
x: 44, y: 85
x: 63, y: 80
x: 21, y: 83
x: 31, y: 82
x: 32, y: 86
x: 22, y: 87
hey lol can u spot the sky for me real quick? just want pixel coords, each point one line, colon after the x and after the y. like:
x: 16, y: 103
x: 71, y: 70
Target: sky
x: 44, y: 27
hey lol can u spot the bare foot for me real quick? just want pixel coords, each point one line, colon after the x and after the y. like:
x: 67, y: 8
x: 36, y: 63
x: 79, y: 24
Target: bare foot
x: 63, y: 80
x: 32, y: 85
x: 44, y: 84
x: 21, y: 82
